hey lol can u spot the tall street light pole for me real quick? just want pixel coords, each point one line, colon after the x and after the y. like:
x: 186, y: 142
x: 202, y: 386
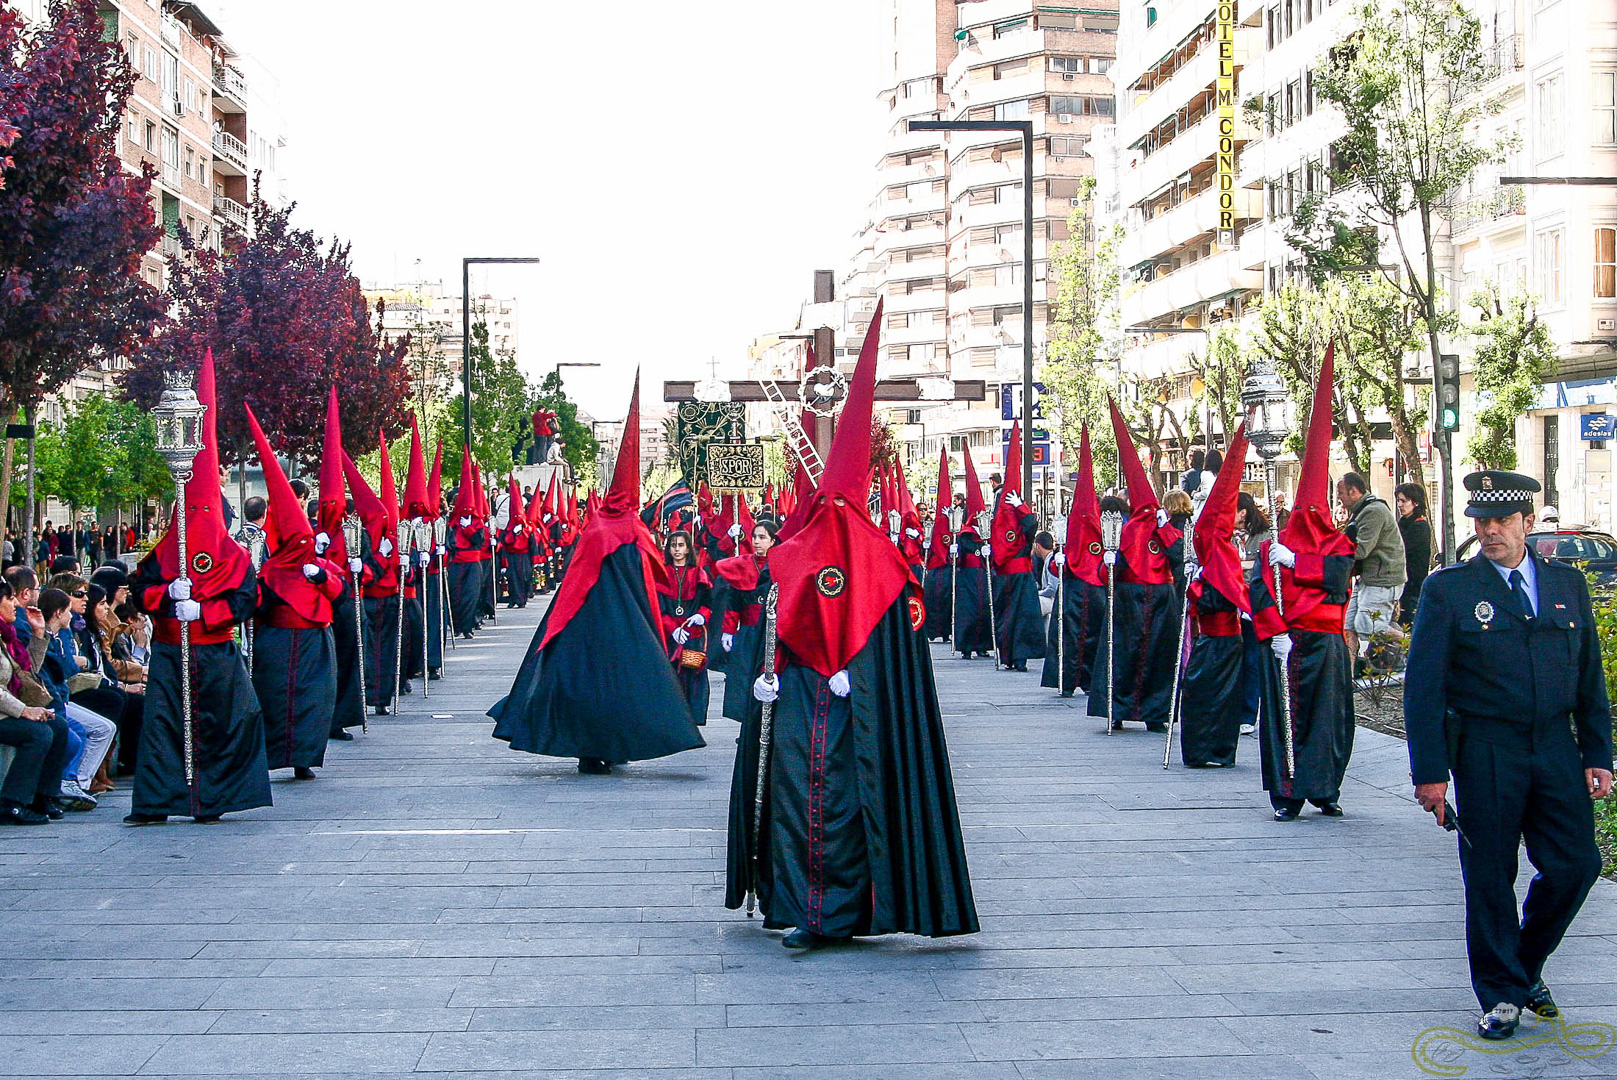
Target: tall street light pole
x: 466, y: 330
x: 1025, y: 129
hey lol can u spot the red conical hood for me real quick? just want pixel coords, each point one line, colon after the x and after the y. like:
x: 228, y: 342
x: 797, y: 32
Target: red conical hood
x: 536, y: 508
x: 1215, y: 550
x: 514, y: 510
x: 1144, y: 544
x: 390, y: 491
x: 1310, y: 523
x: 1008, y: 541
x: 1013, y: 462
x: 289, y: 539
x: 901, y: 491
x: 466, y: 490
x: 1084, y: 547
x: 975, y: 503
x: 937, y: 551
x: 333, y: 494
x: 624, y: 495
x: 218, y: 563
x: 416, y: 498
x: 1141, y: 493
x: 435, y: 493
x: 847, y: 473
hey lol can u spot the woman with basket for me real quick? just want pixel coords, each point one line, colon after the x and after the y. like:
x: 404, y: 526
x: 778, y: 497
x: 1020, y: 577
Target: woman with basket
x: 686, y: 606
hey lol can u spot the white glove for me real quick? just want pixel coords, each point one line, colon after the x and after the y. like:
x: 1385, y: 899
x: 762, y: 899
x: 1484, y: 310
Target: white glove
x: 766, y: 688
x: 696, y: 620
x: 440, y: 550
x: 1281, y: 555
x: 187, y: 610
x: 1280, y: 645
x: 1013, y: 499
x: 680, y: 635
x: 517, y: 527
x: 1110, y: 558
x: 385, y: 548
x: 179, y: 589
x: 311, y: 571
x: 954, y: 549
x: 322, y: 541
x: 404, y: 559
x: 840, y: 684
x: 988, y: 551
x: 423, y: 559
x: 549, y: 518
x: 356, y: 565
x: 1162, y: 517
x: 912, y: 533
x: 465, y: 521
x: 1195, y: 574
x: 735, y: 532
x: 727, y: 640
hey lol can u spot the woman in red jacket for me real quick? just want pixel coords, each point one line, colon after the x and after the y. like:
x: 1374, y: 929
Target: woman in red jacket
x: 686, y: 606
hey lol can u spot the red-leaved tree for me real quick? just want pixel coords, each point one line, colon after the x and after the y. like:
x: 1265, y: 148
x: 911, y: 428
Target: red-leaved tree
x: 73, y: 222
x: 285, y: 318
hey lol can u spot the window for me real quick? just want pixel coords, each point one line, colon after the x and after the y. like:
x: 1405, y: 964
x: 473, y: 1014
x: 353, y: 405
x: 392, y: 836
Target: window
x: 190, y: 162
x: 1274, y: 36
x: 1081, y: 106
x: 151, y: 137
x: 1606, y: 262
x: 1068, y: 146
x: 921, y: 354
x: 1012, y: 110
x: 1550, y: 109
x: 1011, y: 68
x: 1008, y: 193
x: 132, y: 44
x: 190, y: 94
x: 1550, y: 266
x: 148, y: 57
x: 1308, y: 93
x: 132, y: 129
x: 1009, y: 274
x: 1052, y: 21
x: 1006, y: 235
x: 1099, y: 65
x: 1605, y: 99
x: 1067, y: 65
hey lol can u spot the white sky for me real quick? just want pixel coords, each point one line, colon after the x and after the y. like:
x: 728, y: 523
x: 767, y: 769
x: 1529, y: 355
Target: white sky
x: 680, y: 168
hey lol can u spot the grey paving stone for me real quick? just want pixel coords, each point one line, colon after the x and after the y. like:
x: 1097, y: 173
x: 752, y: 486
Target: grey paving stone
x: 78, y: 1054
x: 355, y: 1053
x: 534, y: 1050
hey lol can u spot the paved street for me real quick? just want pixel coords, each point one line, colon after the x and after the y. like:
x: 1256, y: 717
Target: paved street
x: 435, y: 903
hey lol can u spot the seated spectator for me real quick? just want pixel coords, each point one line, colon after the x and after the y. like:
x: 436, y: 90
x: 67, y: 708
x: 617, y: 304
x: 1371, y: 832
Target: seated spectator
x: 134, y: 641
x: 33, y: 784
x: 123, y: 686
x: 55, y: 661
x: 25, y: 590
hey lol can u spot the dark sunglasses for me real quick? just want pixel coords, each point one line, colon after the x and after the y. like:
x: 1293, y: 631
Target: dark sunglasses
x: 81, y: 594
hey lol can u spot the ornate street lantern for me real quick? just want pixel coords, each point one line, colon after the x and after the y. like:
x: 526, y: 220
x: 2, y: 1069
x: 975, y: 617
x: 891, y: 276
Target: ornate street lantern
x: 179, y: 440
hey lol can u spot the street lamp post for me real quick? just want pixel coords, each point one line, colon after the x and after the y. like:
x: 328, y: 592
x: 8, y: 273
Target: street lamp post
x: 1025, y: 129
x: 179, y: 416
x: 466, y: 328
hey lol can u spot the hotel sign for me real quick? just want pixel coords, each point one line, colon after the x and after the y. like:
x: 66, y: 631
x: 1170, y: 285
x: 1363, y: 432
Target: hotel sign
x: 1224, y: 38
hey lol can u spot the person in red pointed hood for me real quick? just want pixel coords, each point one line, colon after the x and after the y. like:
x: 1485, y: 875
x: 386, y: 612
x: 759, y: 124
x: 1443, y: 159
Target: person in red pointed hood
x: 1018, y: 621
x: 1315, y: 564
x: 225, y: 768
x: 862, y: 835
x: 1081, y: 593
x: 939, y: 575
x: 1146, y: 608
x: 355, y: 568
x: 911, y: 540
x: 489, y: 556
x: 414, y: 550
x: 381, y: 581
x: 467, y: 536
x: 596, y: 684
x: 294, y: 651
x: 517, y: 548
x: 436, y: 535
x: 1214, y: 684
x: 973, y: 627
x: 539, y: 552
x: 741, y: 583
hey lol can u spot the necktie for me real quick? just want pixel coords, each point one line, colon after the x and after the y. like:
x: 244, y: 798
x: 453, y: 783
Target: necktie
x: 1518, y: 586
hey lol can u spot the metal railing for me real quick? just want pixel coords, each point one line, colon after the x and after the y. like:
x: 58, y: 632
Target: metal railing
x: 1505, y: 55
x: 230, y: 212
x: 230, y: 81
x: 231, y: 149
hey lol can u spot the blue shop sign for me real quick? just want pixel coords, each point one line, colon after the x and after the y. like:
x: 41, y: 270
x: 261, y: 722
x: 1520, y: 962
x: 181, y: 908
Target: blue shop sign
x: 1597, y: 427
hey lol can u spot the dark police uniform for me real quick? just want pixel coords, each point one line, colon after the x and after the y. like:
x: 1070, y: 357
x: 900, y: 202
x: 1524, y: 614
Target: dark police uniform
x: 1514, y: 705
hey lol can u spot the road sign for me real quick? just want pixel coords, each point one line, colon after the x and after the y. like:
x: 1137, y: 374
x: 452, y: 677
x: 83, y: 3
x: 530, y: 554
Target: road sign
x: 1010, y: 401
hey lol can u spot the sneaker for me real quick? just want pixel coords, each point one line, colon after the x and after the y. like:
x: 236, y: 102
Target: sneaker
x: 1499, y: 1022
x: 76, y: 798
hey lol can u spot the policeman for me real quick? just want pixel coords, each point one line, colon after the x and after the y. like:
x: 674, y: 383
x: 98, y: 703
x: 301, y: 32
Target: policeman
x: 1505, y: 690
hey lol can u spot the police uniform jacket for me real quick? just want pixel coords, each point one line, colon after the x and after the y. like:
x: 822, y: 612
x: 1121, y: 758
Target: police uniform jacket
x: 1475, y: 660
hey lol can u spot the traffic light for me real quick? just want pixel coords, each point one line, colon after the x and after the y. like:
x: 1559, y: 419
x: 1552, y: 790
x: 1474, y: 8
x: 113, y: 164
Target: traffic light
x: 1448, y: 392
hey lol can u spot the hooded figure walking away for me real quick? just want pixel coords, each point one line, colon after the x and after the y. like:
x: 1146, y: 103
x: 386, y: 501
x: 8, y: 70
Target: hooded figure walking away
x: 1316, y: 562
x: 1019, y: 624
x: 516, y: 549
x: 1213, y: 691
x: 1076, y: 629
x: 468, y: 532
x: 973, y: 629
x: 939, y: 575
x: 859, y: 832
x: 226, y: 744
x: 330, y: 541
x: 294, y: 652
x: 597, y: 684
x: 1146, y: 608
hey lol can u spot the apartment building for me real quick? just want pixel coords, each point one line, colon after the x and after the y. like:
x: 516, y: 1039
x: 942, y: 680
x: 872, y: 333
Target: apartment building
x: 1555, y: 69
x: 426, y: 308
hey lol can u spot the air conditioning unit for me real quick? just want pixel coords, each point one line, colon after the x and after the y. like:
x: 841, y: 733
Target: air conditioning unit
x: 1606, y: 324
x: 1058, y: 159
x: 1064, y: 118
x: 1067, y: 77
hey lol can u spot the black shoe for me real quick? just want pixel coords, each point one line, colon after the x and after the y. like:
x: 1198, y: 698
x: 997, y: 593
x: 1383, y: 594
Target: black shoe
x: 55, y: 809
x: 435, y: 674
x: 1540, y: 1002
x: 1066, y: 693
x: 1020, y: 665
x: 302, y: 773
x: 382, y: 710
x: 208, y: 819
x: 406, y: 688
x: 145, y: 819
x: 594, y: 766
x: 21, y: 815
x: 1286, y: 813
x: 1117, y: 725
x: 467, y: 635
x: 807, y: 939
x: 1158, y: 726
x: 341, y: 736
x: 1329, y: 809
x: 1499, y: 1022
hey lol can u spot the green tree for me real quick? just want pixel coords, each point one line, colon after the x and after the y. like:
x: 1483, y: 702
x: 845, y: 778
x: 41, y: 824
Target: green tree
x: 1219, y: 371
x: 1515, y: 355
x: 580, y: 447
x: 501, y: 409
x: 1078, y: 366
x: 103, y: 455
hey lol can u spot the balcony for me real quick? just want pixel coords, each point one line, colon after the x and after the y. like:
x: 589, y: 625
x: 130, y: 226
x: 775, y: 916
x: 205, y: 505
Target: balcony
x: 230, y: 213
x: 1219, y: 275
x: 1191, y: 147
x: 892, y: 238
x: 1200, y: 73
x: 170, y: 246
x: 1505, y: 56
x: 907, y: 270
x: 229, y: 154
x: 229, y: 89
x: 1485, y: 210
x: 1196, y: 216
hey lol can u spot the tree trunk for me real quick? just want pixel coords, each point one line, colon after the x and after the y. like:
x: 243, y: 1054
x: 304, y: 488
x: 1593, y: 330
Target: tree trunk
x: 28, y: 526
x: 6, y: 460
x: 1441, y: 439
x: 1404, y: 439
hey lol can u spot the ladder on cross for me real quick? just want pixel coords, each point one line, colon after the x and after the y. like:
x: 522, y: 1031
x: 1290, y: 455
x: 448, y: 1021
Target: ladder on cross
x: 796, y: 437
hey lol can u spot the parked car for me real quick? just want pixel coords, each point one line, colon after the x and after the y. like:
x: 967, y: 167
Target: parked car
x: 1590, y: 548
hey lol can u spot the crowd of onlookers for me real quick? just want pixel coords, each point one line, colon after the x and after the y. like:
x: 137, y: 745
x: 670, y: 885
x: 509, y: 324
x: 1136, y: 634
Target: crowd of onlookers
x: 88, y: 542
x: 72, y: 677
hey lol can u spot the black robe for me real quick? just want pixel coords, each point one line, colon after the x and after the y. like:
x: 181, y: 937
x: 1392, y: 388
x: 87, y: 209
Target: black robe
x: 227, y: 726
x: 892, y: 859
x: 1146, y: 635
x: 1018, y: 620
x: 1213, y: 693
x: 603, y: 687
x: 1322, y: 720
x: 1082, y: 622
x: 295, y: 677
x: 434, y: 615
x: 487, y: 601
x: 973, y: 630
x: 518, y: 576
x: 382, y: 662
x: 744, y: 661
x: 939, y: 592
x: 346, y: 628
